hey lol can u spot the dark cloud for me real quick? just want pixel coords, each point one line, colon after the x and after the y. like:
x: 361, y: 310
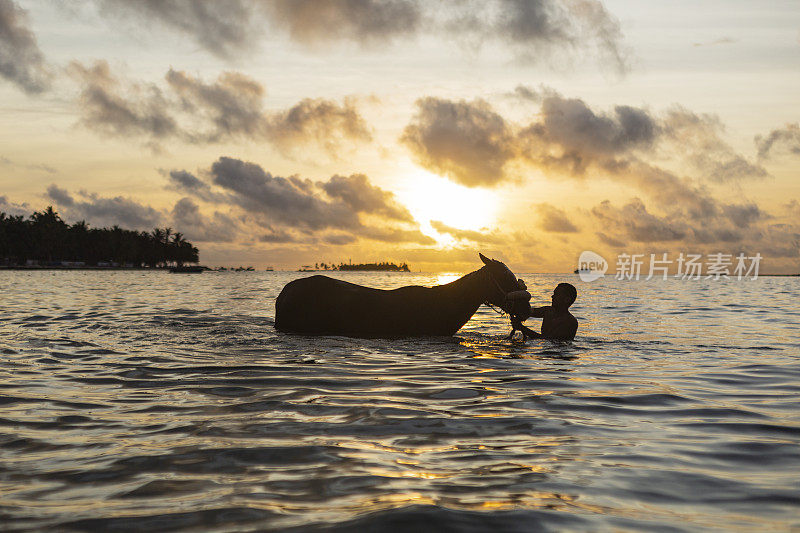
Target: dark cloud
x: 357, y: 192
x: 187, y: 219
x: 793, y: 208
x: 231, y: 108
x: 549, y: 26
x: 110, y: 106
x: 634, y: 222
x: 233, y: 104
x: 466, y: 141
x: 554, y: 219
x: 317, y: 122
x: 473, y: 145
x: 14, y: 209
x: 60, y: 196
x: 279, y: 236
x: 278, y: 198
x: 743, y: 215
x: 298, y: 210
x: 532, y: 30
x: 570, y: 123
x: 364, y: 21
x: 781, y: 241
x: 611, y: 241
x: 339, y: 239
x: 739, y: 224
x: 396, y: 235
x: 699, y: 138
x: 187, y: 181
x: 223, y: 27
x: 21, y: 61
x: 105, y: 212
x: 786, y: 139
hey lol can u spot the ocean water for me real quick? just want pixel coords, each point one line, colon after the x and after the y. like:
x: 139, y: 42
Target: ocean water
x: 146, y: 401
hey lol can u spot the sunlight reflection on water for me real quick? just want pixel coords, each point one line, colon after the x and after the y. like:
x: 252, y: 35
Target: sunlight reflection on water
x: 135, y: 400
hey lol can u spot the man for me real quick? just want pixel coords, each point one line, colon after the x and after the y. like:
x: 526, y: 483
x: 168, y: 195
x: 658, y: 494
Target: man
x: 558, y: 323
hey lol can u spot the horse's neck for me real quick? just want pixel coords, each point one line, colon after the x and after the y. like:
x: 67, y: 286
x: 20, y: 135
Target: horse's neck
x: 472, y: 288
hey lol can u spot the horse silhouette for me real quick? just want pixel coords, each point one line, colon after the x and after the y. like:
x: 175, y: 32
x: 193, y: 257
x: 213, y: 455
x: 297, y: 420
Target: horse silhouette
x: 319, y: 305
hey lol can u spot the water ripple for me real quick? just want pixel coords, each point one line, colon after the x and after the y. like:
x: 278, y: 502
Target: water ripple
x: 137, y: 401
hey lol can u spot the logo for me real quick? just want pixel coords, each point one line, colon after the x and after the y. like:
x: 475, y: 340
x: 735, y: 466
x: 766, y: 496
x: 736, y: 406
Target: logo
x: 591, y: 266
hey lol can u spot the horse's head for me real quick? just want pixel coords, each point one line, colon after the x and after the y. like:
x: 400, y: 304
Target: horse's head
x: 503, y: 284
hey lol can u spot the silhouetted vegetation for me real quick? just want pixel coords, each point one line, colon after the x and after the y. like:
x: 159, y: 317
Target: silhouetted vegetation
x: 384, y: 266
x: 43, y: 238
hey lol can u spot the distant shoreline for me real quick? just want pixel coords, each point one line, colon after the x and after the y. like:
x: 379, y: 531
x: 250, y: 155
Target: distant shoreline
x: 213, y: 269
x: 36, y: 267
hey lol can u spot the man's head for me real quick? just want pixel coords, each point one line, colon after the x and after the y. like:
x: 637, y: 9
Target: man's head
x: 564, y: 295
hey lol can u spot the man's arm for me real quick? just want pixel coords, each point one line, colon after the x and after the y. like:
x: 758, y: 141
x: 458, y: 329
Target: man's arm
x: 516, y: 323
x: 539, y: 312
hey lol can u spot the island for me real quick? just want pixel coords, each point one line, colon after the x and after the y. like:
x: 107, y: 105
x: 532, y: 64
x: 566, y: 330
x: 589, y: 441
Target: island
x: 44, y: 240
x: 383, y: 266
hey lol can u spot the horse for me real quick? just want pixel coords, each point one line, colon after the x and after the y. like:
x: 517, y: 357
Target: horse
x: 319, y: 305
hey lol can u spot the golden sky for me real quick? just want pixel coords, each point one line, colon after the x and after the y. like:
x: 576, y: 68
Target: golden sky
x: 290, y: 132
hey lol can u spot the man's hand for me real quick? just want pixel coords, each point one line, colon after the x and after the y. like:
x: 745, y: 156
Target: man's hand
x: 516, y: 323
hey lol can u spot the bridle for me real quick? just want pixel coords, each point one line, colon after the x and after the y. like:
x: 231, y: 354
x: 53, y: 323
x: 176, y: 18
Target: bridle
x: 509, y: 297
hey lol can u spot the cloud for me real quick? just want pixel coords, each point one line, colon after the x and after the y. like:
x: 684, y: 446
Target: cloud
x: 194, y: 111
x: 478, y: 237
x: 465, y: 141
x: 60, y: 196
x: 358, y: 193
x: 21, y: 61
x: 549, y: 26
x: 717, y: 42
x: 611, y: 241
x: 531, y: 30
x: 473, y: 145
x: 233, y: 104
x: 396, y: 235
x: 699, y: 137
x: 105, y: 212
x: 365, y: 21
x: 277, y: 198
x: 279, y: 236
x: 126, y: 110
x: 554, y: 219
x: 40, y: 167
x: 743, y: 215
x: 634, y: 222
x: 786, y: 139
x: 317, y: 122
x: 731, y: 227
x: 188, y: 220
x: 14, y: 209
x: 583, y: 136
x: 224, y: 28
x: 292, y: 209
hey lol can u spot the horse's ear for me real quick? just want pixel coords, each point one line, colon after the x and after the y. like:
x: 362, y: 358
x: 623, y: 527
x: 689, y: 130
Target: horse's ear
x: 484, y: 259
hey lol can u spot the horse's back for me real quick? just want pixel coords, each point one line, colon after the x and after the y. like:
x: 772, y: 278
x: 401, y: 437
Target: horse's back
x: 319, y: 305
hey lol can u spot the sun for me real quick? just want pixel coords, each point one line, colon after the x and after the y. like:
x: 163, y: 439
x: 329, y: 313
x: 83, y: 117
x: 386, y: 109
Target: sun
x: 432, y: 198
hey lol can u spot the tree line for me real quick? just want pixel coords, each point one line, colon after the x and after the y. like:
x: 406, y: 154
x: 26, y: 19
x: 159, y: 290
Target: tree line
x: 382, y: 266
x: 45, y: 238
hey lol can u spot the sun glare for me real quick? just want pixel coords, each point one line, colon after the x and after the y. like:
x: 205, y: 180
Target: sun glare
x: 432, y: 198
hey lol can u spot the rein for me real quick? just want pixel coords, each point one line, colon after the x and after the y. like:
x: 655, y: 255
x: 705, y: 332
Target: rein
x: 510, y: 296
x: 509, y: 299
